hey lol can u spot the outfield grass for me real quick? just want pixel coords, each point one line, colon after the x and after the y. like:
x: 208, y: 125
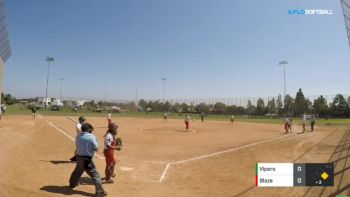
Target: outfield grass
x: 15, y: 110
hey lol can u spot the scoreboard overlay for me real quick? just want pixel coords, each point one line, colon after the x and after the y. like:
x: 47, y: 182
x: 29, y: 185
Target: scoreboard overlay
x: 294, y: 174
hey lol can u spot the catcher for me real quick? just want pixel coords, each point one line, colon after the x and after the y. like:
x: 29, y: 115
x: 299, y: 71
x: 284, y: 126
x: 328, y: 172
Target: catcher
x: 111, y: 144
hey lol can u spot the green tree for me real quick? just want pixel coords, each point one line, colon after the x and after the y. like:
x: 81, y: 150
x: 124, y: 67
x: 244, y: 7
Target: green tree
x: 166, y: 106
x: 279, y: 105
x: 240, y: 110
x: 320, y: 106
x: 309, y: 106
x: 231, y: 109
x: 184, y: 107
x: 150, y: 105
x: 142, y: 104
x: 339, y: 106
x: 250, y: 108
x: 271, y: 106
x: 219, y: 108
x: 202, y: 107
x: 260, y: 107
x: 300, y: 104
x: 288, y: 105
x: 156, y: 106
x: 89, y: 104
x: 9, y: 99
x: 175, y: 107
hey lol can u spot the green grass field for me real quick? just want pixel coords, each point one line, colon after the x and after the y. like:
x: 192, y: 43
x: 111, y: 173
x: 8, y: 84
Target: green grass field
x: 15, y: 110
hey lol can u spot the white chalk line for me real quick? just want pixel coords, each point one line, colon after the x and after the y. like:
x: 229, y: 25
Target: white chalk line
x: 161, y: 179
x: 71, y: 119
x: 67, y: 135
x: 167, y: 167
x: 161, y: 162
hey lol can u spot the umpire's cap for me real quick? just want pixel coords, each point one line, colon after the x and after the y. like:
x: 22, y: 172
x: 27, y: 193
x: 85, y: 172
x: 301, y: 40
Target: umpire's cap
x: 87, y: 127
x: 82, y: 119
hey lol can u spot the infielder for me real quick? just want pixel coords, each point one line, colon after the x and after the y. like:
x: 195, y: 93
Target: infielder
x: 33, y: 112
x: 202, y: 116
x: 232, y: 119
x: 312, y: 121
x: 165, y: 117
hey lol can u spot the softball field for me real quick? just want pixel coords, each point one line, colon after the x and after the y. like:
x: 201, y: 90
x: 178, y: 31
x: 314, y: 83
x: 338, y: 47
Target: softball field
x: 161, y: 159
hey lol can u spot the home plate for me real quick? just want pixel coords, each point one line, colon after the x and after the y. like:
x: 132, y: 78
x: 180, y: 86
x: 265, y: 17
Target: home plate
x: 140, y: 129
x: 126, y: 169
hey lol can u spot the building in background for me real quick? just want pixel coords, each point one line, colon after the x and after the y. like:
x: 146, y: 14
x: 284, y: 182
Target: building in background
x: 5, y: 48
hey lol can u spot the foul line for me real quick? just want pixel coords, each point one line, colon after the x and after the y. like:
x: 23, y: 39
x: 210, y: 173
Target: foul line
x: 71, y: 119
x: 67, y: 135
x: 168, y: 165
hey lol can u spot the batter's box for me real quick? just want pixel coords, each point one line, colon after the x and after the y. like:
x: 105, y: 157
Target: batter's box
x: 148, y: 171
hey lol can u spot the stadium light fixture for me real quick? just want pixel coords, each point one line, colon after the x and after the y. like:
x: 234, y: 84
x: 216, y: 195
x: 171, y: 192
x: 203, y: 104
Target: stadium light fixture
x: 49, y: 59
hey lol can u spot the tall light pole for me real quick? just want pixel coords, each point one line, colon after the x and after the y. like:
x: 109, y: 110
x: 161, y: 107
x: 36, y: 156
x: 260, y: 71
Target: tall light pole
x: 164, y: 80
x: 61, y: 79
x: 136, y: 94
x: 136, y: 100
x: 49, y: 59
x: 105, y: 94
x: 284, y: 63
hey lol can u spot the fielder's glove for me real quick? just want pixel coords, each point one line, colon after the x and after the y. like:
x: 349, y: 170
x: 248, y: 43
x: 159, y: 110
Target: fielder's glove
x: 119, y: 143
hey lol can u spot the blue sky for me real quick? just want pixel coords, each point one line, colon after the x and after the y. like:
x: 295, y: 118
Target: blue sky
x: 205, y: 48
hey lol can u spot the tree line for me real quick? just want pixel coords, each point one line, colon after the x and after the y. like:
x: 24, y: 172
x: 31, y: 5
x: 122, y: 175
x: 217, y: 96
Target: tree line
x: 290, y: 106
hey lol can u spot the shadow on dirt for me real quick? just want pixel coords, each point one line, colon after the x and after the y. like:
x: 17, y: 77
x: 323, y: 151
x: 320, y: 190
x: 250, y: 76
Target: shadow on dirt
x: 60, y: 162
x: 65, y: 190
x: 340, y: 159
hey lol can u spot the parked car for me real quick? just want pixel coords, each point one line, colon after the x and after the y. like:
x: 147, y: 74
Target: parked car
x: 55, y: 108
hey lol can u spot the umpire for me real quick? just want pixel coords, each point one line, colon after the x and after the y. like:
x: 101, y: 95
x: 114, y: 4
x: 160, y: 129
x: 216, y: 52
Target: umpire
x: 86, y: 145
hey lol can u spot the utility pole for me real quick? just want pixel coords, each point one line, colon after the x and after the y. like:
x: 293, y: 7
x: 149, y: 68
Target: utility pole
x: 164, y: 80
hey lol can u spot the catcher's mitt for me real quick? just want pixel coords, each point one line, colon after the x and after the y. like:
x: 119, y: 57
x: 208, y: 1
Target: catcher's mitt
x: 119, y: 143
